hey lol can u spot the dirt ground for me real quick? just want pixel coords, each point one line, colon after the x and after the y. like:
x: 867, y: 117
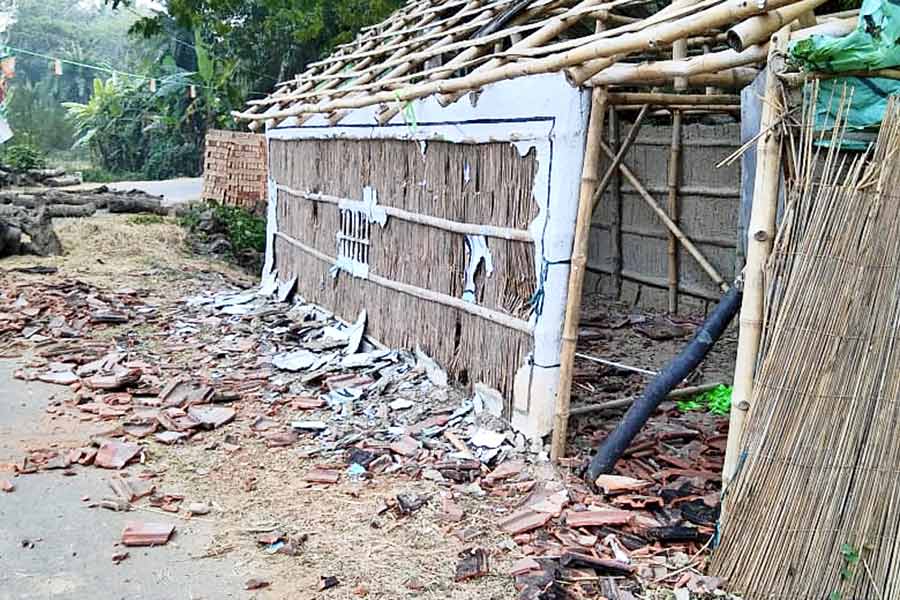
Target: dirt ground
x: 253, y: 489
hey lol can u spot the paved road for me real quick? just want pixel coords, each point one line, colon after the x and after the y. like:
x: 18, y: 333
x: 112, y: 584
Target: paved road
x: 173, y: 191
x: 73, y: 544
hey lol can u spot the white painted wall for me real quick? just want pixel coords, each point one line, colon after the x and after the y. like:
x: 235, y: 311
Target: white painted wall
x: 541, y: 112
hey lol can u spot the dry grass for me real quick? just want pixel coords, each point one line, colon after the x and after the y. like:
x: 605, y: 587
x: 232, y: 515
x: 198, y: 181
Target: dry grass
x: 347, y: 538
x: 115, y: 251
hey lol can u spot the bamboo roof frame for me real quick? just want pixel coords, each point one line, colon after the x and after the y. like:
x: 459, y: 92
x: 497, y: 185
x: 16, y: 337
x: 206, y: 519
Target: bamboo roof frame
x: 448, y: 48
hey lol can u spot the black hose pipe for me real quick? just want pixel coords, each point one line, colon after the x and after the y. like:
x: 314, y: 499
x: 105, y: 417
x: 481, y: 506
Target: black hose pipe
x: 612, y: 448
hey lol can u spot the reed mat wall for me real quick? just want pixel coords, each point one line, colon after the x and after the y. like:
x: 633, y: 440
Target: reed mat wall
x: 487, y: 184
x: 819, y: 481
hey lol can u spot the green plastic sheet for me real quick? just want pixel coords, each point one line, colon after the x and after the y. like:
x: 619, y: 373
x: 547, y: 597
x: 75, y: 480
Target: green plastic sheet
x: 873, y: 45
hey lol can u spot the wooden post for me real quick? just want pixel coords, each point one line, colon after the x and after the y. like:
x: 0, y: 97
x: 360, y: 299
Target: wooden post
x: 615, y: 228
x: 674, y: 182
x: 589, y: 172
x: 760, y: 236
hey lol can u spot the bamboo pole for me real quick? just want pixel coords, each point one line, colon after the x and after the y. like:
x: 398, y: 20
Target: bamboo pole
x: 615, y: 232
x: 674, y: 176
x: 759, y: 29
x: 613, y: 168
x: 685, y: 241
x: 658, y: 99
x: 487, y: 314
x: 716, y: 16
x: 590, y: 170
x: 684, y: 392
x: 622, y: 74
x: 797, y: 79
x: 760, y: 237
x: 679, y: 52
x: 600, y: 72
x: 506, y: 233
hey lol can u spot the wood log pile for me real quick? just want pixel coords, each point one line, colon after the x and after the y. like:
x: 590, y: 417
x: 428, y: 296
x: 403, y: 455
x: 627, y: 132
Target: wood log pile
x: 55, y: 178
x: 26, y: 217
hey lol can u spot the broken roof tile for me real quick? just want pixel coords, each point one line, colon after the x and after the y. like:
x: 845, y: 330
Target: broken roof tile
x: 147, y: 534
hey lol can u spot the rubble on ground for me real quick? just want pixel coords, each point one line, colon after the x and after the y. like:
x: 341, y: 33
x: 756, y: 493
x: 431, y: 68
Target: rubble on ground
x: 294, y: 377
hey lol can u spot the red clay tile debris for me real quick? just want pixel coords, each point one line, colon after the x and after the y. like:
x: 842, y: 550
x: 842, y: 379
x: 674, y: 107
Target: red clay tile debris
x: 598, y: 518
x: 524, y: 521
x: 256, y: 584
x: 405, y: 446
x: 319, y: 475
x: 119, y: 557
x: 524, y: 565
x: 473, y: 563
x: 115, y: 455
x: 212, y: 417
x: 612, y: 484
x: 147, y: 534
x: 452, y: 511
x: 508, y: 469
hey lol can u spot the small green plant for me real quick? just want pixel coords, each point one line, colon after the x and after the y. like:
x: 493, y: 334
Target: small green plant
x: 190, y: 217
x: 245, y: 230
x: 717, y: 401
x: 24, y: 155
x: 146, y: 219
x: 850, y: 556
x: 689, y: 404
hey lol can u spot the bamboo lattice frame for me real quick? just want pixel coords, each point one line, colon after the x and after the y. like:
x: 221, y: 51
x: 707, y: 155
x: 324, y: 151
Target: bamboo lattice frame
x: 450, y: 47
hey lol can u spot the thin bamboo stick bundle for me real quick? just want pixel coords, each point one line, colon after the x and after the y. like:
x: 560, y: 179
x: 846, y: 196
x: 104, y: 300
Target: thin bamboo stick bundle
x: 815, y: 507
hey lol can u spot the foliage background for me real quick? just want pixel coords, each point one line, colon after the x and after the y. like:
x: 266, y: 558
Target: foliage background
x: 116, y: 126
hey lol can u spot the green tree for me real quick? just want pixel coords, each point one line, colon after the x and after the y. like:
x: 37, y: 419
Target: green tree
x: 74, y: 31
x: 269, y: 40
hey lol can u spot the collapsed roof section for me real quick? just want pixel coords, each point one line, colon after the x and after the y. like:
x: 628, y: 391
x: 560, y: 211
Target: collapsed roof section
x: 450, y: 47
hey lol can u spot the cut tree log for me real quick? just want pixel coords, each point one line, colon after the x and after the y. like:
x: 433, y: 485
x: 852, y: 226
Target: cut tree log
x: 136, y: 203
x: 68, y: 211
x: 37, y: 225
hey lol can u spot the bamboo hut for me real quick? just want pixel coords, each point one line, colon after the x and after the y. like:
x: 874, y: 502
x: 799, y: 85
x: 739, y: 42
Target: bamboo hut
x: 444, y: 169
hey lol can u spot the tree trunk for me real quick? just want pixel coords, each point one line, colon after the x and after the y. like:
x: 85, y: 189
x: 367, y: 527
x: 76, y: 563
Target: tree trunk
x: 36, y: 225
x: 136, y: 204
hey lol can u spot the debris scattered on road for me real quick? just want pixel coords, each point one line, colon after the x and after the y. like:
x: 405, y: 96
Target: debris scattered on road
x: 473, y: 563
x: 115, y: 455
x: 147, y: 534
x: 256, y: 584
x: 7, y: 486
x: 328, y: 582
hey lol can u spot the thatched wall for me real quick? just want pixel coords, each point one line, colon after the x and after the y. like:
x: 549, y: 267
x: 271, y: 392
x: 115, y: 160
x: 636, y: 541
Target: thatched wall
x: 709, y: 202
x: 489, y: 184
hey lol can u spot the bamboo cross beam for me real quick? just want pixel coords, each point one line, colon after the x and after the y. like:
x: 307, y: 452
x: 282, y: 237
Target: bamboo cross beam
x: 759, y: 29
x: 707, y: 267
x: 660, y: 99
x: 589, y: 171
x: 620, y: 155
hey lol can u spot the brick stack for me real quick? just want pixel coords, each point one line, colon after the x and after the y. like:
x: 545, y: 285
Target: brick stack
x: 235, y: 169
